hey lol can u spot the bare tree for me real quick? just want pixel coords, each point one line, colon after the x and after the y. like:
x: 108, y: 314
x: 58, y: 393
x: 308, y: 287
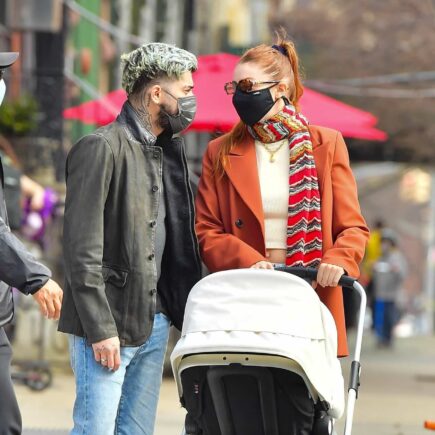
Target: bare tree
x: 341, y: 39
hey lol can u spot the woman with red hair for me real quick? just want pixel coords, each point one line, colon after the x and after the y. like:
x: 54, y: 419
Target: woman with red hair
x: 277, y: 190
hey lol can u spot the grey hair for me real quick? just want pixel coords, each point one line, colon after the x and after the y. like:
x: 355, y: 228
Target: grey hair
x: 155, y: 60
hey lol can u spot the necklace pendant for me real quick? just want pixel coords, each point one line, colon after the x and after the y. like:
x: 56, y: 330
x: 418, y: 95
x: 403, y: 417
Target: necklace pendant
x: 272, y: 158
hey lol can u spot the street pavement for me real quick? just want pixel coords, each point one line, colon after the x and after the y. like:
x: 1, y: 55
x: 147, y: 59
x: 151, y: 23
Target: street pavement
x: 396, y: 396
x: 397, y: 390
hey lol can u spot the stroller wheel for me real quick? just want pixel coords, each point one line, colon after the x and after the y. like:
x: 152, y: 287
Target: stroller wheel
x: 38, y: 379
x: 323, y: 424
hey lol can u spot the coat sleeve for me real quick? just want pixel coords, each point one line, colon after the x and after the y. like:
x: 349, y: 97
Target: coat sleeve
x: 18, y: 268
x: 88, y: 174
x: 219, y: 250
x: 349, y: 229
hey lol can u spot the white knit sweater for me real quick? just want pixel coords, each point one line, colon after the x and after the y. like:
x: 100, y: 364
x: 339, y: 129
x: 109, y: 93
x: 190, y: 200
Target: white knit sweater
x: 274, y: 185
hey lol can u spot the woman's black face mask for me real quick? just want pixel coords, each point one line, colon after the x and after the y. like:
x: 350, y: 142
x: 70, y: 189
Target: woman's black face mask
x: 253, y: 106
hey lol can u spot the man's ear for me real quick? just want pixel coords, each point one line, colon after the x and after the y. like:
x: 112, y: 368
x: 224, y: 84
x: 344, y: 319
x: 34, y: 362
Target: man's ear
x: 155, y: 94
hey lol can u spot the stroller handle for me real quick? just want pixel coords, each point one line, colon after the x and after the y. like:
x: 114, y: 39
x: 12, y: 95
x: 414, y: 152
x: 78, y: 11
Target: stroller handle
x: 311, y: 273
x: 355, y: 372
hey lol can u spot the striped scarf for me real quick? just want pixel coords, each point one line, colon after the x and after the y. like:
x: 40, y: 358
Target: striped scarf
x: 304, y: 232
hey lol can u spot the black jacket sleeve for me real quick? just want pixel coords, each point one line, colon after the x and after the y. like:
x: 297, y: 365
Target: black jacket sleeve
x: 18, y: 268
x: 88, y: 174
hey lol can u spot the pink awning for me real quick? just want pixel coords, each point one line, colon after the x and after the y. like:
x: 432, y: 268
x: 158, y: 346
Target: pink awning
x: 216, y: 112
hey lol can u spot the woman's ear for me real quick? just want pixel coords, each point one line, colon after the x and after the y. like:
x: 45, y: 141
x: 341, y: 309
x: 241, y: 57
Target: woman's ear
x: 283, y: 90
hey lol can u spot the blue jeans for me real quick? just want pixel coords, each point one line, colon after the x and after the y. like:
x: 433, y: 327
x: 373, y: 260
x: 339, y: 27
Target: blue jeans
x: 121, y: 402
x: 386, y: 316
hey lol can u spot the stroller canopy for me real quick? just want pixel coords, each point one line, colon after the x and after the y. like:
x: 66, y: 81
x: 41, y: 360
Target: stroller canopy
x: 264, y: 312
x: 255, y: 301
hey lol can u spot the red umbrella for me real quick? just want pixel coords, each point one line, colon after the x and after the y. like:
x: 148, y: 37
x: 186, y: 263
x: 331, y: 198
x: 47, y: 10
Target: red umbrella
x: 216, y: 112
x: 100, y: 112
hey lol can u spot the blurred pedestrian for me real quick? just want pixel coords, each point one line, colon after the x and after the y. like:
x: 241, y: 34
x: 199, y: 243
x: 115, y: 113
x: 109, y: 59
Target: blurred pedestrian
x: 20, y: 270
x: 21, y: 193
x: 131, y: 255
x: 389, y: 272
x: 18, y: 187
x: 373, y: 253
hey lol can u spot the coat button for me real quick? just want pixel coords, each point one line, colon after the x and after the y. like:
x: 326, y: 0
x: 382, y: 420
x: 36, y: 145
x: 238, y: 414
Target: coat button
x: 156, y: 155
x: 155, y: 188
x: 153, y: 224
x: 151, y: 257
x: 239, y: 223
x: 153, y: 291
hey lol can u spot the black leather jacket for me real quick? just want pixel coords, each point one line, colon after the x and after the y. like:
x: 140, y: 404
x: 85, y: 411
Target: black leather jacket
x: 114, y: 178
x: 17, y: 267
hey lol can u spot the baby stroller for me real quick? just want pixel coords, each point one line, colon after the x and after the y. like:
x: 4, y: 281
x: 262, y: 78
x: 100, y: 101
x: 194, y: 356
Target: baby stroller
x: 253, y: 341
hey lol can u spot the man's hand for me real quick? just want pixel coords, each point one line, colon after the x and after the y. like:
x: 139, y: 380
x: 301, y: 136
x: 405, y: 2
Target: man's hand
x: 108, y: 353
x: 49, y: 299
x: 328, y: 275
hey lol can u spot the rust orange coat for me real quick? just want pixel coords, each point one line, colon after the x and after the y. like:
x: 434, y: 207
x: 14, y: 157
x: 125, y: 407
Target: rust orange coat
x: 230, y: 220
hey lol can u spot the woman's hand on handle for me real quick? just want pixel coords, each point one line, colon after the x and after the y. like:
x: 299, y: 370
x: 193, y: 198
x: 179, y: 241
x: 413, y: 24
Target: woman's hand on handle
x: 262, y: 265
x: 328, y: 275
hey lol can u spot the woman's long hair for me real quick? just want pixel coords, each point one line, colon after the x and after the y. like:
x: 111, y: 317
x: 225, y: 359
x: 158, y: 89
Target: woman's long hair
x: 280, y: 67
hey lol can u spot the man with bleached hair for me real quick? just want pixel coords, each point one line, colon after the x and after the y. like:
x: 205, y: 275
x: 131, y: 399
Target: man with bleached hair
x: 131, y: 254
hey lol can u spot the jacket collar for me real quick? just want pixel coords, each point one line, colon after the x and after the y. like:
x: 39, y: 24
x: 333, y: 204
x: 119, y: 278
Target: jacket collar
x: 131, y: 120
x: 243, y: 174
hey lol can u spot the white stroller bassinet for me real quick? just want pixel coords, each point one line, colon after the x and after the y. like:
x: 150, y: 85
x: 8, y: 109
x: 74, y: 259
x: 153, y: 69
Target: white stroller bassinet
x: 262, y: 318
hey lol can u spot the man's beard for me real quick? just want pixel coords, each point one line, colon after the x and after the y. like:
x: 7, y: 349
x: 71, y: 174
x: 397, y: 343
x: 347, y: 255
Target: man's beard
x: 163, y: 118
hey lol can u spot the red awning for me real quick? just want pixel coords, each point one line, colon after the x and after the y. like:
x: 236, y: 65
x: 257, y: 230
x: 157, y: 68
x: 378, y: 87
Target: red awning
x: 216, y: 112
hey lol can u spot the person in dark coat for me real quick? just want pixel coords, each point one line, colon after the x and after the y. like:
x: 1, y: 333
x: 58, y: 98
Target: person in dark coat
x: 18, y: 269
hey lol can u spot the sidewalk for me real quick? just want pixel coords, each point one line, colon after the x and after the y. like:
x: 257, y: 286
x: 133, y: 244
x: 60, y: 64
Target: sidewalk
x: 397, y: 388
x: 397, y: 394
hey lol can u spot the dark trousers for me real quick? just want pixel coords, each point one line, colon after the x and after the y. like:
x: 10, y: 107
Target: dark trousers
x: 390, y: 320
x: 10, y: 417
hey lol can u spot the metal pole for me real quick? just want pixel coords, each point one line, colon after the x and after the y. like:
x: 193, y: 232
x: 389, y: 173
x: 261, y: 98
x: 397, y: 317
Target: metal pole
x: 429, y: 284
x: 174, y: 23
x: 148, y: 18
x: 356, y: 366
x: 124, y: 11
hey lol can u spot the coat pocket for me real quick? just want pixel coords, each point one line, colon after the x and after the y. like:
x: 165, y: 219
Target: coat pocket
x: 115, y: 276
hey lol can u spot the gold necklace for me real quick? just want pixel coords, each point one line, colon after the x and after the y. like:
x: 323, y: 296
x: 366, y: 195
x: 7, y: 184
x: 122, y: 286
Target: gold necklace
x: 273, y: 152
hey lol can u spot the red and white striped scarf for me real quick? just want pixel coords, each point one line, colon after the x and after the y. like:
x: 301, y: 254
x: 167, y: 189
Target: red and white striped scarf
x: 304, y: 231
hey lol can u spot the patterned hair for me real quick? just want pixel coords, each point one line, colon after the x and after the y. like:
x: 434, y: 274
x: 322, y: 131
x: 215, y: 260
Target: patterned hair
x: 153, y: 61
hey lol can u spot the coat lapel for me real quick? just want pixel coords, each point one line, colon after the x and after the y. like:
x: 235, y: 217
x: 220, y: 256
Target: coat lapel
x: 320, y: 156
x: 243, y: 174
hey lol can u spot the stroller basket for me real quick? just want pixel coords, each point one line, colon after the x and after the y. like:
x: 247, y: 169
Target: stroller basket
x: 239, y: 399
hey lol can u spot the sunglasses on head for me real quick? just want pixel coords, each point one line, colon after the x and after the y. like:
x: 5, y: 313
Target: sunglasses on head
x: 246, y: 85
